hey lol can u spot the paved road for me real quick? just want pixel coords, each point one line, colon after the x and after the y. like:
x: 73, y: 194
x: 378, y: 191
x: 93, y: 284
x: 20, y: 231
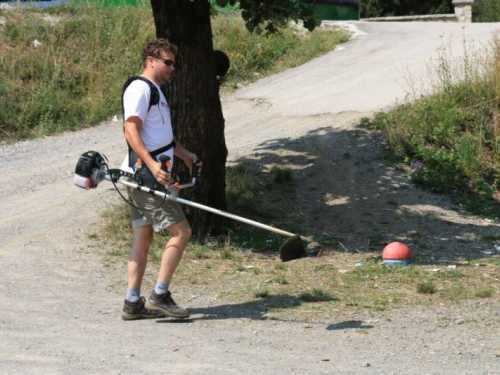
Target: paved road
x: 370, y: 72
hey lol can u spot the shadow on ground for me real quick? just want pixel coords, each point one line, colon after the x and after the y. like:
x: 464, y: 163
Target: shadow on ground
x: 255, y: 310
x: 348, y: 193
x: 350, y: 324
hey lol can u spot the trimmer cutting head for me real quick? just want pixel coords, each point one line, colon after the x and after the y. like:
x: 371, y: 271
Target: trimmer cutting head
x: 292, y: 249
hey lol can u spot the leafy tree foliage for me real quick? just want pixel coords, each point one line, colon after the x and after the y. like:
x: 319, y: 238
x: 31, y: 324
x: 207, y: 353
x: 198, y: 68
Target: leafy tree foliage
x: 383, y: 8
x: 270, y: 15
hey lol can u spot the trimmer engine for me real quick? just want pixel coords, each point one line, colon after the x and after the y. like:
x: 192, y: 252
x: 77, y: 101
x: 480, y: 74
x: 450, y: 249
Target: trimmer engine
x: 88, y: 170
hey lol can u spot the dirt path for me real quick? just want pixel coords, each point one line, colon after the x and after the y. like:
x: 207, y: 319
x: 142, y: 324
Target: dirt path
x: 59, y: 304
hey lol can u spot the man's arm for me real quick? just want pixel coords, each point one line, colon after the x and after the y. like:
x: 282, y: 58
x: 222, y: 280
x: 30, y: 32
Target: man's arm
x: 132, y: 127
x: 188, y: 157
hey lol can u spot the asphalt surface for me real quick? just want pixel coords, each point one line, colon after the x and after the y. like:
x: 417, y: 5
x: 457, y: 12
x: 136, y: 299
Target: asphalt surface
x: 384, y: 64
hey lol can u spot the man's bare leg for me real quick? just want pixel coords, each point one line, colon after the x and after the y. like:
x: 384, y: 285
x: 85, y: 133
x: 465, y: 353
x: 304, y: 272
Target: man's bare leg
x: 163, y: 302
x: 143, y: 236
x: 172, y: 255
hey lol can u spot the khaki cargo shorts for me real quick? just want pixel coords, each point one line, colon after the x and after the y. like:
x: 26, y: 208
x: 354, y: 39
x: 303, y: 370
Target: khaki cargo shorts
x: 170, y: 212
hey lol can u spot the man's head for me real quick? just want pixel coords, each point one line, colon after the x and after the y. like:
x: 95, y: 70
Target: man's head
x: 159, y: 60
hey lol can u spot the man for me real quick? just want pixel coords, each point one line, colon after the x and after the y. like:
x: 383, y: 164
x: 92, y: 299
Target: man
x: 148, y: 129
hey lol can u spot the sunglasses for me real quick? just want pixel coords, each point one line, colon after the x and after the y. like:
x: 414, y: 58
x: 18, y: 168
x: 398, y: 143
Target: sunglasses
x: 167, y: 62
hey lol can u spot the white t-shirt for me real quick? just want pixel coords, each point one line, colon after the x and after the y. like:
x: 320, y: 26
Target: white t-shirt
x: 156, y: 131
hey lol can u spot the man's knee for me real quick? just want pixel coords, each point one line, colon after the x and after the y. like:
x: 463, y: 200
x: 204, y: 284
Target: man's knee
x: 144, y: 235
x: 182, y: 230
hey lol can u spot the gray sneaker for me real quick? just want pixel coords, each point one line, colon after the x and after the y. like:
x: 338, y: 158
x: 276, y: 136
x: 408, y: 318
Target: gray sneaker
x: 137, y: 310
x: 163, y: 303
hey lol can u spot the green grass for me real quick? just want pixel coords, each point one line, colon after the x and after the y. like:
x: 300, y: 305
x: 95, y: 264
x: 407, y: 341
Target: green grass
x: 427, y: 287
x: 485, y: 292
x: 316, y: 295
x: 451, y: 138
x: 73, y: 78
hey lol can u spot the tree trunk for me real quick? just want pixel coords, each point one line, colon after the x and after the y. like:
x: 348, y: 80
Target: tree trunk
x: 196, y: 110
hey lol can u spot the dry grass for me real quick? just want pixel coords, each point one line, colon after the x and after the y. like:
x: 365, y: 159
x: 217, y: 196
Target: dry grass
x: 310, y: 289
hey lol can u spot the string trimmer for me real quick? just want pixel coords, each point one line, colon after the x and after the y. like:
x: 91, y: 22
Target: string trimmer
x: 92, y: 168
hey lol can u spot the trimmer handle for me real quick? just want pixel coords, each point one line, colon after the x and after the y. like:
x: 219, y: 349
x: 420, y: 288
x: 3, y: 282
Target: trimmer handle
x: 194, y: 171
x: 165, y: 162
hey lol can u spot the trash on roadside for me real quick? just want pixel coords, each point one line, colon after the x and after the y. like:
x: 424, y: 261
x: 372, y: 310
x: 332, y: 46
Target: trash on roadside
x: 452, y: 266
x: 115, y: 118
x: 360, y: 264
x: 434, y: 270
x: 36, y: 43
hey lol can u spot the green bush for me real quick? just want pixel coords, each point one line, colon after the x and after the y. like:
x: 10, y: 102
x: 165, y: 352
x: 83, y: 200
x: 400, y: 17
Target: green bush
x: 482, y: 10
x: 452, y: 138
x: 385, y: 8
x: 486, y: 11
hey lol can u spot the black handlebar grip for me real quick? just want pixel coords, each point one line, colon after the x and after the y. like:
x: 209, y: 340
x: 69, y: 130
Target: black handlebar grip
x: 164, y: 159
x: 194, y: 170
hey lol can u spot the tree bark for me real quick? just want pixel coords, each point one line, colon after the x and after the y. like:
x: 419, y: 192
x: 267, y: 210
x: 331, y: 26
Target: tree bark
x: 196, y: 110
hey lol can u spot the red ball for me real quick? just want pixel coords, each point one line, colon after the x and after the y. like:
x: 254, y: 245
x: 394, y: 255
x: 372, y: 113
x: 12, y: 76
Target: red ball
x: 396, y: 251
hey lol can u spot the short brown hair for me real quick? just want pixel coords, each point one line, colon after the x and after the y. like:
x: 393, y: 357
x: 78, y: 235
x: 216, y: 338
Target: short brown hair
x: 156, y: 47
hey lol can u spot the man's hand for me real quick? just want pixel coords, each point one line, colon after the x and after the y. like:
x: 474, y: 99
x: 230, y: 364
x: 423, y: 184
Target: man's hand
x: 161, y: 176
x: 192, y: 159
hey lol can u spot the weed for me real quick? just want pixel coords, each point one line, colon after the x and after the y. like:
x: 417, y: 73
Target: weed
x: 226, y: 253
x: 281, y: 279
x: 280, y: 266
x: 262, y: 294
x: 484, y: 292
x: 426, y: 287
x: 449, y: 274
x: 315, y: 295
x: 364, y: 121
x: 491, y: 237
x: 240, y: 187
x: 456, y: 292
x: 281, y: 175
x: 200, y: 252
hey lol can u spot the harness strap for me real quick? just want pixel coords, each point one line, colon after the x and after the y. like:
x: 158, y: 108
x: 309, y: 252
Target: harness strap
x: 161, y: 150
x: 134, y: 160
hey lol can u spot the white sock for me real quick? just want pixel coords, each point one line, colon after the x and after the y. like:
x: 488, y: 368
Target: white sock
x: 133, y: 295
x: 161, y: 287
